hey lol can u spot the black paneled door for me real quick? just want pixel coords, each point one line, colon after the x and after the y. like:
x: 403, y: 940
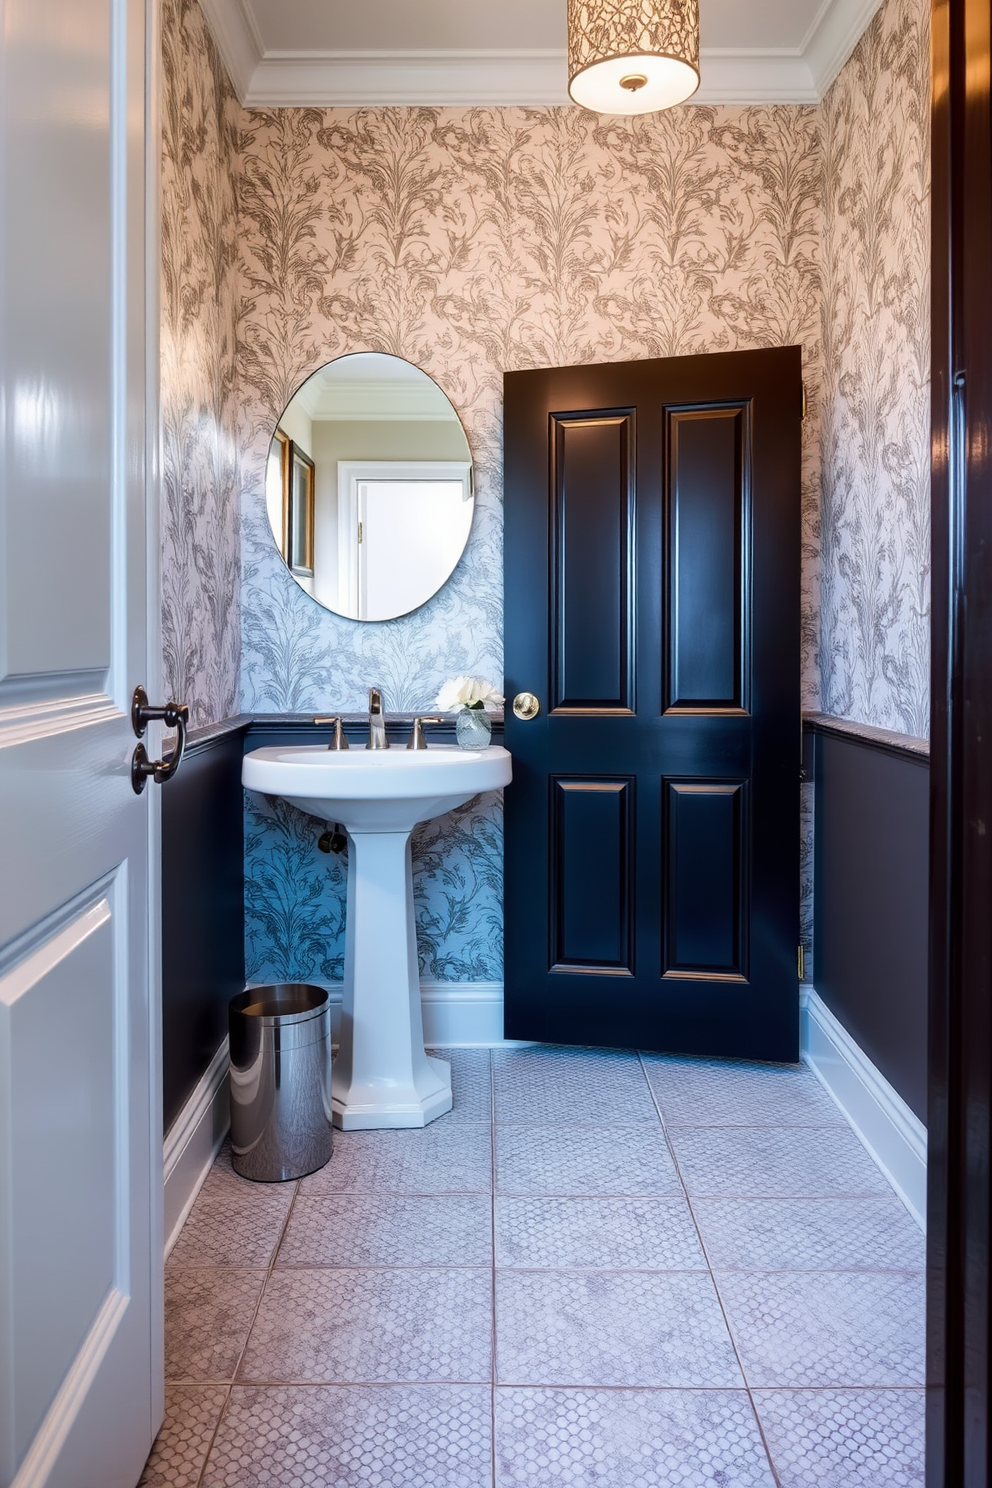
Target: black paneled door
x: 652, y: 607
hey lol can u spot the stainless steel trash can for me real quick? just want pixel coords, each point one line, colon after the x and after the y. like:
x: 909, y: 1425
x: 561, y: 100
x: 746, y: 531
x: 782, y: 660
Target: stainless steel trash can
x: 280, y: 1081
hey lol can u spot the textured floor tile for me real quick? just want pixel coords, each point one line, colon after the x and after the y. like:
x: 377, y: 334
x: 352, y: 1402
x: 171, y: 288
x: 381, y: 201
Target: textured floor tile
x: 572, y: 1086
x: 610, y: 1234
x: 620, y: 1328
x: 584, y: 1160
x: 810, y: 1234
x: 180, y: 1450
x: 358, y: 1326
x: 434, y: 1159
x: 730, y: 1092
x: 223, y: 1179
x: 424, y: 1436
x: 389, y: 1230
x: 471, y: 1085
x: 232, y: 1228
x: 829, y: 1328
x: 844, y: 1438
x: 628, y: 1439
x: 207, y: 1318
x: 757, y: 1162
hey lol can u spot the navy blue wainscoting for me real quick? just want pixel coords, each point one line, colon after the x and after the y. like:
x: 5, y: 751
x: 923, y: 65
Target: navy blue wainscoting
x: 870, y: 897
x: 203, y: 941
x: 203, y: 891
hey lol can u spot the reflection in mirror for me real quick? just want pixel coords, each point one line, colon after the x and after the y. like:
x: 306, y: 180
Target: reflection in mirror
x: 369, y: 487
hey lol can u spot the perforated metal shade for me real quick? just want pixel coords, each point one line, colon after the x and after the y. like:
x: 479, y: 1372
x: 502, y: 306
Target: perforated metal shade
x: 632, y: 56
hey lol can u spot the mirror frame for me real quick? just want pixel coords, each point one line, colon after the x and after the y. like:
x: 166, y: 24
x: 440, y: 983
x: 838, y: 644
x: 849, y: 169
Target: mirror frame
x: 295, y: 541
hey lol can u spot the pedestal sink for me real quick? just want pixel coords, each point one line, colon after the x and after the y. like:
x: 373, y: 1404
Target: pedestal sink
x: 382, y: 1076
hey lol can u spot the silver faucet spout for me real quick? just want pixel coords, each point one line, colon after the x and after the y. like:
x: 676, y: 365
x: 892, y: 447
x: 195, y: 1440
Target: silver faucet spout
x: 377, y: 721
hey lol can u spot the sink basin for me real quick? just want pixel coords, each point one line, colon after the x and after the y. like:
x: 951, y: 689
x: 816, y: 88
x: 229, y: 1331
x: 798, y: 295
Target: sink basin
x: 382, y: 1077
x: 367, y: 790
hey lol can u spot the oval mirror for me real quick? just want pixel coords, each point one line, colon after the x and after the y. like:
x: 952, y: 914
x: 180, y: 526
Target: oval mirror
x: 368, y: 487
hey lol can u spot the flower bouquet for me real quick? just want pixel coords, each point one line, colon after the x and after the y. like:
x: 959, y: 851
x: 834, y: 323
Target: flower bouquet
x: 468, y: 696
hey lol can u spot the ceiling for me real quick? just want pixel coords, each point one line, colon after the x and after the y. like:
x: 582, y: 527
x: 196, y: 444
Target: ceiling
x: 328, y: 52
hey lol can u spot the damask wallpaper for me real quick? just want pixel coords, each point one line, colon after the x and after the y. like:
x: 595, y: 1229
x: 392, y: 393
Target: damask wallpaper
x: 476, y: 240
x: 875, y: 582
x: 471, y: 242
x: 200, y: 515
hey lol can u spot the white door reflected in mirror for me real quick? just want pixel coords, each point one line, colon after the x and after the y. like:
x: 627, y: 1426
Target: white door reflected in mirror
x: 369, y: 487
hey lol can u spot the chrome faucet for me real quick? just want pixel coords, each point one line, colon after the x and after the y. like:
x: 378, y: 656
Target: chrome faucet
x: 377, y: 721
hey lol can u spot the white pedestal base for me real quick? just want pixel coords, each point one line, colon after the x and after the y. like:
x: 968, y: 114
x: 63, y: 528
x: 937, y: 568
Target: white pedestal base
x: 382, y: 1076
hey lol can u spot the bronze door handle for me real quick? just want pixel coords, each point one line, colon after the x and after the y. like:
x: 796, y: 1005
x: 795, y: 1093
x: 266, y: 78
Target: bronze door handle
x: 174, y: 716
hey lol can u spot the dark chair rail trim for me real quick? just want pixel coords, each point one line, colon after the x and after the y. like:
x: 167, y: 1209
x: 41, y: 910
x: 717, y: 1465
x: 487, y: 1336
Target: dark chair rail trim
x: 905, y: 746
x: 247, y: 724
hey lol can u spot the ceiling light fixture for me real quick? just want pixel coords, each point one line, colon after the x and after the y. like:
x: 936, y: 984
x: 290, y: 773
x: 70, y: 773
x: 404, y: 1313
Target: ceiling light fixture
x: 632, y: 56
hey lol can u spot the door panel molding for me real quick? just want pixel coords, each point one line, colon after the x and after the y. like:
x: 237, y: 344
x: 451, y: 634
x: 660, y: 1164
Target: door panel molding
x: 591, y: 550
x: 706, y: 901
x: 592, y: 874
x: 707, y: 631
x: 20, y: 724
x: 54, y: 1435
x: 66, y: 1064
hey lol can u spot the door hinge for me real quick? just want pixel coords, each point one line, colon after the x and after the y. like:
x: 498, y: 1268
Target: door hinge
x: 360, y: 532
x: 805, y: 404
x: 801, y: 964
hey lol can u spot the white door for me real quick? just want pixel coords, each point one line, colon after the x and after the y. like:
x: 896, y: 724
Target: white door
x: 80, y: 1139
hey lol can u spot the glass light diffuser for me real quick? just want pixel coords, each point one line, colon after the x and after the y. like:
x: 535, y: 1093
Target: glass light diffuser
x: 632, y: 56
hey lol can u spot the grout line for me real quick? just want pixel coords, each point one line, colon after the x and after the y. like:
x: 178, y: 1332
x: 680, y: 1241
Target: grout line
x: 592, y: 1270
x: 268, y: 1273
x: 716, y: 1290
x: 481, y: 1384
x: 213, y: 1437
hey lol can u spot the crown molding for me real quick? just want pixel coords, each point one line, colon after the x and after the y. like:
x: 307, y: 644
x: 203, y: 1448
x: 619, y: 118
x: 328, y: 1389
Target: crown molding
x: 237, y: 41
x: 833, y: 36
x: 738, y: 76
x: 525, y: 76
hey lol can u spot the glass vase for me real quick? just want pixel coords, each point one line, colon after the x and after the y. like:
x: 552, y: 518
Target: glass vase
x: 473, y: 728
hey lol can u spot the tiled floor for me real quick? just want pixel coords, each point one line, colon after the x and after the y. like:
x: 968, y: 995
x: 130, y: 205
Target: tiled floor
x: 600, y: 1271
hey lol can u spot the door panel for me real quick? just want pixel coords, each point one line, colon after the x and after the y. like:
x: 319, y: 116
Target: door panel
x: 652, y: 525
x: 592, y: 914
x: 80, y: 1137
x: 66, y: 1268
x: 590, y: 564
x: 705, y: 879
x: 707, y: 564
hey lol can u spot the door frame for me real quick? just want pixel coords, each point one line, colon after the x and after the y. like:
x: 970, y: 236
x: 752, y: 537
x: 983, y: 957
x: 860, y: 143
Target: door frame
x: 959, y: 1267
x: 154, y: 659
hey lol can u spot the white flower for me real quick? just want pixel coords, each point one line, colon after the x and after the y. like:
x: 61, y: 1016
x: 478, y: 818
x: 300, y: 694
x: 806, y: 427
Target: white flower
x: 467, y: 692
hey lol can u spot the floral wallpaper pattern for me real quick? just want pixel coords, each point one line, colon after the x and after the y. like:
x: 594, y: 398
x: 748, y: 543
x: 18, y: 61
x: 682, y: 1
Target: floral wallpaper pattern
x: 474, y: 241
x: 295, y: 895
x: 875, y: 583
x: 471, y: 242
x: 200, y: 479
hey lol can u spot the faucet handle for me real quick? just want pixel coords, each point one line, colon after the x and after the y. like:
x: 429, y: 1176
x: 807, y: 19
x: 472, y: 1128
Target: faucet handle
x: 339, y: 739
x: 417, y: 740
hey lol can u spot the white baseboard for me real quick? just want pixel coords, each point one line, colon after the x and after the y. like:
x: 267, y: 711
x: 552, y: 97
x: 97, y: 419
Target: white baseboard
x: 894, y: 1136
x: 193, y: 1141
x: 465, y: 1014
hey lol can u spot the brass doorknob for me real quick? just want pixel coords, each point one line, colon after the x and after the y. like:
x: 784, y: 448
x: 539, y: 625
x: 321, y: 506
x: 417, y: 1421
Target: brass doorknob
x: 526, y: 706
